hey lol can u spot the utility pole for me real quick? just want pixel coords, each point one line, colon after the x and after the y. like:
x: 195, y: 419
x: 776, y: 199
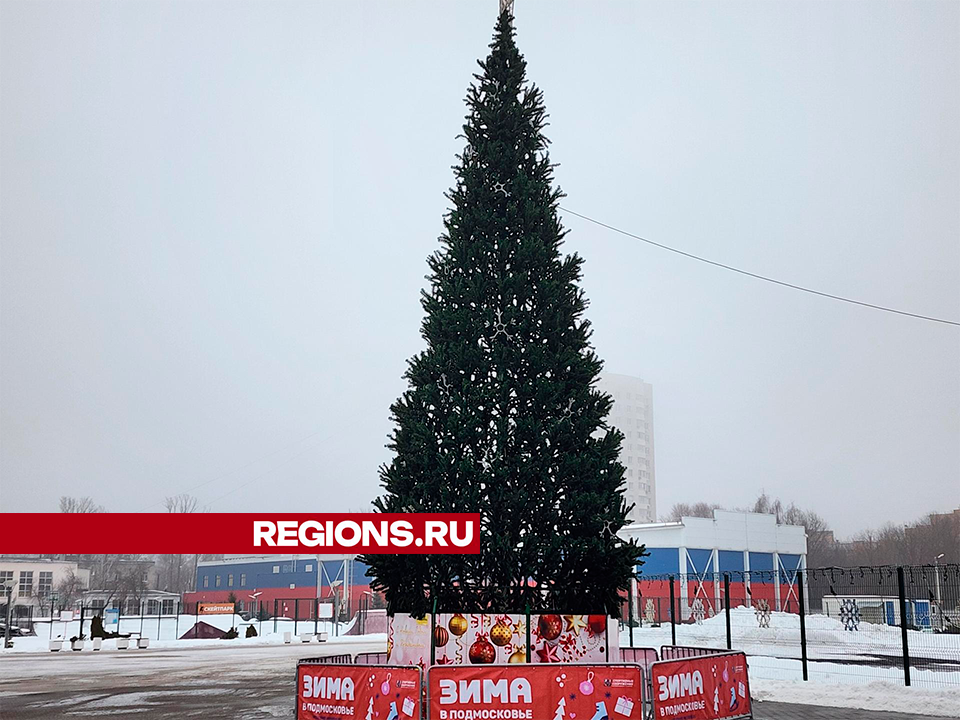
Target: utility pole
x: 936, y: 571
x: 334, y: 586
x: 8, y: 586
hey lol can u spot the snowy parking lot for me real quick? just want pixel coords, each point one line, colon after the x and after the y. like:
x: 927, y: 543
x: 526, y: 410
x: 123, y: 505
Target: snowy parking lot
x: 233, y: 679
x: 246, y: 679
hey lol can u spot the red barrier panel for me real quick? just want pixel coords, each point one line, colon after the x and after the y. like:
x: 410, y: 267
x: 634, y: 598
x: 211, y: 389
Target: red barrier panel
x: 336, y: 692
x: 702, y: 688
x: 534, y: 692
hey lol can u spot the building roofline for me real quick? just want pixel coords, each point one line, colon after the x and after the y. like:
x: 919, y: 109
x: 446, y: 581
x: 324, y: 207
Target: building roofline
x: 275, y: 559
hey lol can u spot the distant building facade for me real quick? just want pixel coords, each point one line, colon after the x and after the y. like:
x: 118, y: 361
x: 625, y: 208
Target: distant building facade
x: 632, y: 414
x: 760, y: 557
x: 36, y: 581
x: 287, y: 583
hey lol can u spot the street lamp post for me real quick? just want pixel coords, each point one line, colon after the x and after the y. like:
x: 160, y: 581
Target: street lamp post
x: 256, y: 607
x: 8, y: 586
x: 336, y: 606
x: 936, y: 573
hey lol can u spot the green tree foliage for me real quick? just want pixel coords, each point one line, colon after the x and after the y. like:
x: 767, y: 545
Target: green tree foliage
x: 501, y: 415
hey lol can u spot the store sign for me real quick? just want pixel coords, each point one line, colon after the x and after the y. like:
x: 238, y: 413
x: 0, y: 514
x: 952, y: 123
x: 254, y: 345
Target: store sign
x: 335, y: 692
x: 535, y: 692
x: 712, y: 687
x: 215, y: 609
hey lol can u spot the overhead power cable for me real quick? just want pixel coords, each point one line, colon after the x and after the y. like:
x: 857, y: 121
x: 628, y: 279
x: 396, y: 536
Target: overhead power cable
x: 760, y: 277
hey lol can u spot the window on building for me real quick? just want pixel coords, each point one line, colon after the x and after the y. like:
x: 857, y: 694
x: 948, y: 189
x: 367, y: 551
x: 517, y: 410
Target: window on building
x: 229, y: 580
x: 216, y: 582
x: 153, y: 607
x: 26, y: 583
x: 276, y: 569
x: 131, y: 607
x: 293, y: 586
x: 206, y: 581
x: 308, y: 567
x: 243, y: 579
x: 6, y: 576
x: 167, y: 607
x: 45, y: 584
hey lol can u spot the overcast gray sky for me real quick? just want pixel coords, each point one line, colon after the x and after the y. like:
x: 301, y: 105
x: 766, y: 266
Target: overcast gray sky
x: 215, y: 219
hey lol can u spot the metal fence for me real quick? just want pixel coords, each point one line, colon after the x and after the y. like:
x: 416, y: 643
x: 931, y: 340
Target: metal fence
x: 864, y: 624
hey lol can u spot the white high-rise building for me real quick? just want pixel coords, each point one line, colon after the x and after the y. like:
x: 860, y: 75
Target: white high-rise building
x: 632, y: 414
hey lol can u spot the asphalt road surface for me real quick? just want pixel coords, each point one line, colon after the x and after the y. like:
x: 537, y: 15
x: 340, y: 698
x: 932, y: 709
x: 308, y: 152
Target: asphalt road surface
x: 210, y: 682
x: 233, y: 682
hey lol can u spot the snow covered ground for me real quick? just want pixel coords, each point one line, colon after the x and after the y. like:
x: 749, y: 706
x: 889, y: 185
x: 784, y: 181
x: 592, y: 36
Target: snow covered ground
x: 876, y: 696
x: 847, y: 669
x: 164, y: 632
x: 869, y: 658
x: 213, y: 679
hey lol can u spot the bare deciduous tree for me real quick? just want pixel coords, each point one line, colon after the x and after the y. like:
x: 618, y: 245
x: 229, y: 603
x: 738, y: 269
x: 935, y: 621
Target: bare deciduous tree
x: 79, y: 505
x: 175, y: 570
x: 182, y: 503
x: 700, y: 509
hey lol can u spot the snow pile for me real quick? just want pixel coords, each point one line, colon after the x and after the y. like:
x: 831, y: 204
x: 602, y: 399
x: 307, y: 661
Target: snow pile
x: 871, y: 653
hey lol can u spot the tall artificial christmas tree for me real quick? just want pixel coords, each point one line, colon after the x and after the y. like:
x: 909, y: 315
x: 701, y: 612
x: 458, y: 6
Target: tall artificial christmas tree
x: 501, y: 416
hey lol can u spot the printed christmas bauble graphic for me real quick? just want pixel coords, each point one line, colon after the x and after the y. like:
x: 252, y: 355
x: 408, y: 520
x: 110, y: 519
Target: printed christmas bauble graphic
x: 597, y: 624
x: 440, y: 636
x: 550, y: 627
x: 501, y: 633
x: 482, y: 652
x: 586, y: 687
x: 458, y: 624
x: 519, y: 655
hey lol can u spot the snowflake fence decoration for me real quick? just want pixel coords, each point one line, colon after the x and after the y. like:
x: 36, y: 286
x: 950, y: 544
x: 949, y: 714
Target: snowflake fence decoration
x: 850, y: 615
x: 698, y: 610
x: 500, y: 187
x: 763, y: 614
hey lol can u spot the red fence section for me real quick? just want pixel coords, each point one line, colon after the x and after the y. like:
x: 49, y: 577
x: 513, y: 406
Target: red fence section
x: 534, y: 692
x: 708, y: 687
x: 335, y: 692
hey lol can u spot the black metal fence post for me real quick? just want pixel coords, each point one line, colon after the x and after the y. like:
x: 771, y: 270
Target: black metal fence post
x: 529, y: 650
x: 803, y: 624
x: 903, y: 625
x: 316, y: 615
x: 433, y: 634
x: 629, y: 611
x: 673, y: 614
x: 196, y: 620
x: 726, y: 606
x: 276, y: 605
x: 296, y: 614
